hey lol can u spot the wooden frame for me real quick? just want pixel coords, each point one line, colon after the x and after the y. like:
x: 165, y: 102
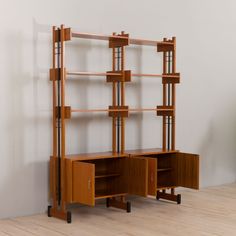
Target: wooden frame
x: 84, y: 178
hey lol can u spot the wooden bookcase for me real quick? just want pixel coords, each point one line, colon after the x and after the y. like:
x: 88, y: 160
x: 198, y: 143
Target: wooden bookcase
x: 84, y: 178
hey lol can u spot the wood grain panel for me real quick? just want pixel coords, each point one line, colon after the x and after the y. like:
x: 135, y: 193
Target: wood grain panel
x: 152, y: 176
x: 83, y: 183
x: 188, y: 170
x: 68, y: 180
x: 137, y: 172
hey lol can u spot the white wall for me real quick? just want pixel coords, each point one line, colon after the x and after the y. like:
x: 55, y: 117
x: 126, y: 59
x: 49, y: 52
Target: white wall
x: 206, y: 111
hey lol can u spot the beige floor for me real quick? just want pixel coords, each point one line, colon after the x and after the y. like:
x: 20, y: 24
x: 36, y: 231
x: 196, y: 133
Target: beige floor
x: 210, y: 211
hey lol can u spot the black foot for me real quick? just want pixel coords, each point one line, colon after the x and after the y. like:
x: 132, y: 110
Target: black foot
x: 157, y: 197
x: 108, y: 202
x: 128, y: 207
x: 178, y: 198
x: 68, y: 217
x: 49, y: 211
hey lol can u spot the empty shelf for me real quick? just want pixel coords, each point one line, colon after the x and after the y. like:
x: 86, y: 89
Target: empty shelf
x: 104, y: 194
x: 106, y: 175
x: 88, y: 73
x: 107, y: 37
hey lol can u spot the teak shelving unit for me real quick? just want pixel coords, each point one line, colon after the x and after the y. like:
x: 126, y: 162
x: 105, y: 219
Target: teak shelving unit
x: 84, y: 178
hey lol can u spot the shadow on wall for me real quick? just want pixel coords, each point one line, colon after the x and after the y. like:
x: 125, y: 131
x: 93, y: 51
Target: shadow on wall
x: 24, y: 185
x: 218, y: 149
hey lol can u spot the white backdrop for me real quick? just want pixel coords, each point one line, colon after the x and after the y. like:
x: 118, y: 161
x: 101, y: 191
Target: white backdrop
x: 206, y: 98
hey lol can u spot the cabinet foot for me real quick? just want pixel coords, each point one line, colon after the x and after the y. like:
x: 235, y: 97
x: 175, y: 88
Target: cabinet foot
x: 63, y: 215
x: 49, y: 211
x: 169, y: 196
x: 111, y: 202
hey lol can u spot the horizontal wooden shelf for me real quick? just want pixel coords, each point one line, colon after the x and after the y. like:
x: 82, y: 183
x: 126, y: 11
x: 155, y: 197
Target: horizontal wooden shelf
x: 107, y: 37
x: 120, y: 110
x: 165, y: 187
x: 103, y: 194
x: 81, y: 73
x: 106, y: 175
x: 164, y: 169
x: 87, y: 73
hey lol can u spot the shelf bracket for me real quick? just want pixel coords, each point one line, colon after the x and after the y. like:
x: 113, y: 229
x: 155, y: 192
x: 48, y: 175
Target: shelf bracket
x: 54, y: 73
x: 173, y: 78
x: 67, y: 34
x: 67, y: 112
x: 123, y: 77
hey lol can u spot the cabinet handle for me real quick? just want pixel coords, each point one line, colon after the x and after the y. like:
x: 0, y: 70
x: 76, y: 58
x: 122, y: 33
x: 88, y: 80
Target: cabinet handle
x: 152, y: 177
x: 89, y: 184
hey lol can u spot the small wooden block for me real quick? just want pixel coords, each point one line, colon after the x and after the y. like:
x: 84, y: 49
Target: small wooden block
x: 67, y: 34
x: 55, y: 73
x: 165, y: 112
x: 115, y: 42
x: 67, y: 112
x: 119, y: 78
x: 123, y: 113
x: 163, y: 47
x: 171, y: 80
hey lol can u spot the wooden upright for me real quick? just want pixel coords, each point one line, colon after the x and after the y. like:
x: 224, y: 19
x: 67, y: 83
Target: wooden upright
x: 85, y: 177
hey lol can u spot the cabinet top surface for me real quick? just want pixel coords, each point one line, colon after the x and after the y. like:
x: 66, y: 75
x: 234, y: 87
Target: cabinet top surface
x: 93, y: 156
x: 149, y: 151
x: 104, y: 155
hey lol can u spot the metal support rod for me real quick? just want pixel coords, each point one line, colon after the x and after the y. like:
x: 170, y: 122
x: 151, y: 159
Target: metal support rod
x: 59, y: 122
x: 113, y: 102
x: 173, y: 97
x: 164, y: 103
x: 168, y: 101
x: 118, y: 100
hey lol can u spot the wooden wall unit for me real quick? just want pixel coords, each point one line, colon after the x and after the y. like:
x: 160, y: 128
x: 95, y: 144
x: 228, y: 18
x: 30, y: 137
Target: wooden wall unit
x: 84, y: 178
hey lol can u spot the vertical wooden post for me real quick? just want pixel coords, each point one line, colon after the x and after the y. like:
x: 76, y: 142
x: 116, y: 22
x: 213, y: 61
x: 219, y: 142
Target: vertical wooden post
x: 54, y: 121
x: 114, y: 150
x: 173, y: 96
x: 62, y: 77
x: 164, y: 103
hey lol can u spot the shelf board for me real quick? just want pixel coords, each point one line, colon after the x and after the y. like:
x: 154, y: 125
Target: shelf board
x: 165, y: 187
x: 106, y: 175
x: 101, y: 195
x: 164, y: 169
x: 107, y: 37
x: 150, y: 151
x: 94, y: 156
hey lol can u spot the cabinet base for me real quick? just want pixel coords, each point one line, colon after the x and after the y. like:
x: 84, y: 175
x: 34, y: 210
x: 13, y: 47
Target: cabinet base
x: 59, y: 214
x: 112, y: 202
x: 169, y: 196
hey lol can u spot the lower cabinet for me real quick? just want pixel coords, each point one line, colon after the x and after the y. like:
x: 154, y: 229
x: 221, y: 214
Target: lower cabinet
x: 172, y: 170
x: 106, y: 178
x: 88, y: 180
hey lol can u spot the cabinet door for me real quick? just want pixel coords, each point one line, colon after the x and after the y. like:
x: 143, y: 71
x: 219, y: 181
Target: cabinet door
x: 137, y: 171
x: 83, y: 179
x: 188, y: 170
x: 152, y: 176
